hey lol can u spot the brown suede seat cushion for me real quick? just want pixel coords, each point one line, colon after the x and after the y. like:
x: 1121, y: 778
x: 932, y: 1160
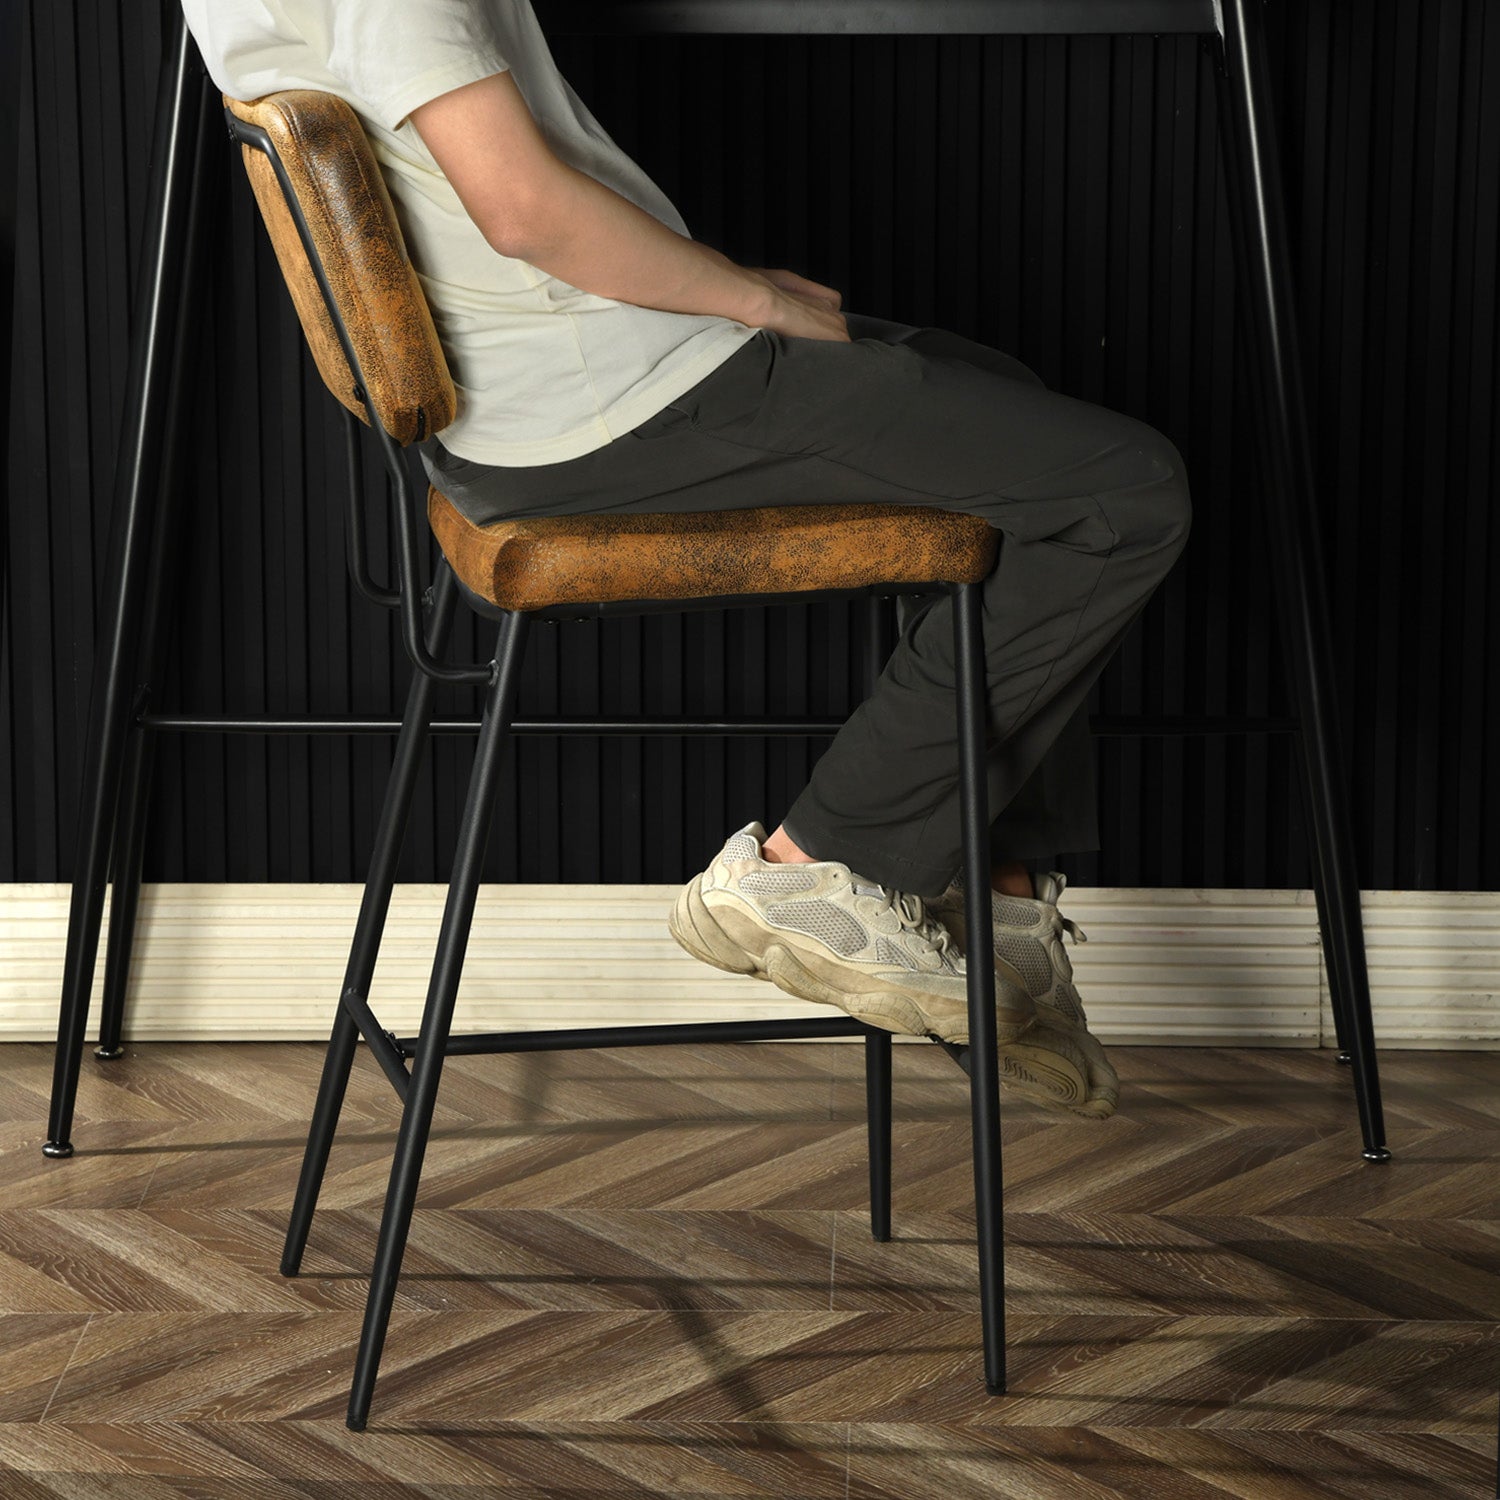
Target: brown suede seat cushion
x: 600, y: 559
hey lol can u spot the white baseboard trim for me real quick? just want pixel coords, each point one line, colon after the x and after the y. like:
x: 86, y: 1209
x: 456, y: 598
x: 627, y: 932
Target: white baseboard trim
x: 1206, y: 967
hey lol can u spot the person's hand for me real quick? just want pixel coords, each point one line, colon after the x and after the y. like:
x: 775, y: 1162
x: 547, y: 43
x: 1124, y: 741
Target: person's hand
x: 800, y: 286
x: 799, y: 308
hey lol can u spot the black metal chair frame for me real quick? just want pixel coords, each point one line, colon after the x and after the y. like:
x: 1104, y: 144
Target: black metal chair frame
x: 184, y: 185
x: 417, y: 1086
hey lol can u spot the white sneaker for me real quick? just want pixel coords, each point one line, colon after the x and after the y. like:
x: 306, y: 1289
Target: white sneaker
x: 1058, y: 1061
x: 821, y: 932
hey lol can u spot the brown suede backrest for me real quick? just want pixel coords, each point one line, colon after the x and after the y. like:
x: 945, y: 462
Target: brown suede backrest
x: 784, y: 549
x: 343, y: 197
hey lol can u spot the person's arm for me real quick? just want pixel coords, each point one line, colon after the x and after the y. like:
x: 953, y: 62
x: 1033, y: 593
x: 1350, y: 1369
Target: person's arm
x: 532, y: 206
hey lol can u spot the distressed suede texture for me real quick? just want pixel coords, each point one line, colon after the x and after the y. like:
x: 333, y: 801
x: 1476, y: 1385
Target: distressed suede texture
x: 598, y: 559
x: 343, y: 196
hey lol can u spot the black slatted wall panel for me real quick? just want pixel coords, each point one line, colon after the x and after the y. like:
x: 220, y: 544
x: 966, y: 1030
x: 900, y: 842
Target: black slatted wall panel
x: 1058, y: 198
x: 10, y: 118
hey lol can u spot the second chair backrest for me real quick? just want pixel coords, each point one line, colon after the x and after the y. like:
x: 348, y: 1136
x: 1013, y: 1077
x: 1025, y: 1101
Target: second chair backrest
x: 341, y: 193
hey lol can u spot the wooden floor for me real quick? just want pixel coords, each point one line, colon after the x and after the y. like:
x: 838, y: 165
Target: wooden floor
x: 649, y: 1273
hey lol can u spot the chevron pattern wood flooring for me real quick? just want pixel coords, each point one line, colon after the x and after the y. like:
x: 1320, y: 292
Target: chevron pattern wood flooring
x: 649, y: 1273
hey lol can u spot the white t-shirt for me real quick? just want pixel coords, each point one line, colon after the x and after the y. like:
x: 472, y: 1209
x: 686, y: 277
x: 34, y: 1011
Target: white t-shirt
x: 545, y: 372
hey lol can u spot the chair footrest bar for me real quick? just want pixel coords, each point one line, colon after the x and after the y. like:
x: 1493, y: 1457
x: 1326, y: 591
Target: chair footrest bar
x: 390, y: 1054
x: 676, y: 1034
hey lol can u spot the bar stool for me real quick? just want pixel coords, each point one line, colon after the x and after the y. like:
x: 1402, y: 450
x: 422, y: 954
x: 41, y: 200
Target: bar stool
x: 340, y: 249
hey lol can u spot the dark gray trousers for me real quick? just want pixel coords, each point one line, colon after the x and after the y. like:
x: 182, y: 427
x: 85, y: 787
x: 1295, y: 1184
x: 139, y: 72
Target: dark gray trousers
x: 1093, y: 509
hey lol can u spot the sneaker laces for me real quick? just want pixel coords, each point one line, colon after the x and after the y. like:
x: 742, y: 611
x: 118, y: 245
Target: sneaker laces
x: 910, y: 911
x: 1065, y: 924
x: 1060, y: 923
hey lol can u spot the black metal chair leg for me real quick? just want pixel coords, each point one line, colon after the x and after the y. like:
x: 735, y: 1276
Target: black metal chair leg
x: 374, y: 907
x: 437, y: 1017
x: 169, y: 283
x: 1264, y: 263
x: 877, y: 648
x: 878, y: 1111
x: 125, y: 889
x: 984, y: 1063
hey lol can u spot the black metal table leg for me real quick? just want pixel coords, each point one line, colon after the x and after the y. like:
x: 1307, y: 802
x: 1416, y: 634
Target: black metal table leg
x: 1338, y: 984
x: 163, y: 576
x: 125, y: 888
x: 170, y: 277
x: 1256, y: 203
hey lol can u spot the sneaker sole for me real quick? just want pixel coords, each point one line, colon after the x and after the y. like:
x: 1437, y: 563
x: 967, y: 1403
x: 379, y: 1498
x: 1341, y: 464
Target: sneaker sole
x: 1100, y: 1092
x: 1051, y: 1066
x: 1104, y: 1083
x: 729, y: 941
